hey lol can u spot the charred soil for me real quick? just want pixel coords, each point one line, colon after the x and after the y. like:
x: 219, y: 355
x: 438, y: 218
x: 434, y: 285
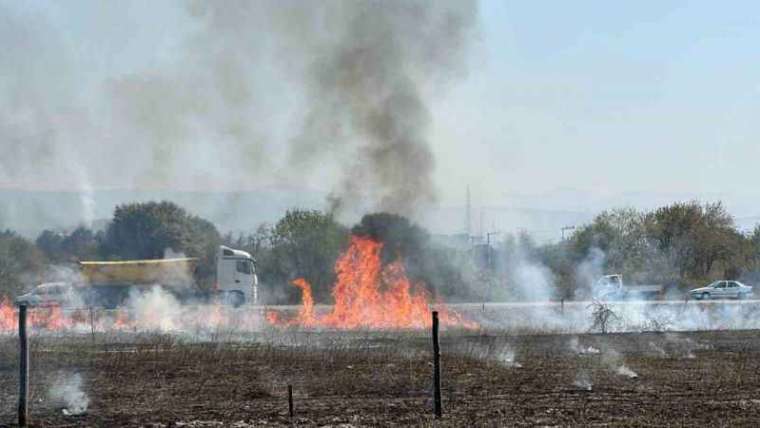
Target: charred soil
x: 380, y: 379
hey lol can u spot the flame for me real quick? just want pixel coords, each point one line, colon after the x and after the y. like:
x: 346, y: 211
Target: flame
x: 49, y: 318
x: 8, y: 316
x: 370, y: 295
x: 306, y: 314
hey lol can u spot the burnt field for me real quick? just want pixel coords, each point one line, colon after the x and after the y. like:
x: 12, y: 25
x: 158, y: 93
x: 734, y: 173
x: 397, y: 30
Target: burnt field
x: 372, y: 379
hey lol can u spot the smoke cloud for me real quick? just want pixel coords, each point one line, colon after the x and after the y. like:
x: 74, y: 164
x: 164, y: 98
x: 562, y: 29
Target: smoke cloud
x: 253, y: 94
x: 67, y: 392
x: 368, y: 93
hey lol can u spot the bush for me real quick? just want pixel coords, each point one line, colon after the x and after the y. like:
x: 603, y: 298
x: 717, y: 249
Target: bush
x: 20, y: 264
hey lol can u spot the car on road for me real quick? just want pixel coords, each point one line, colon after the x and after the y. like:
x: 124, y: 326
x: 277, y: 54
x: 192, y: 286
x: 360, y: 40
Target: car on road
x: 722, y: 289
x: 49, y: 294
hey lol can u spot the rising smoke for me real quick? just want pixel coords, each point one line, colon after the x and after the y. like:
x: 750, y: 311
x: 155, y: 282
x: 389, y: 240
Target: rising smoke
x: 253, y: 93
x: 67, y: 393
x: 369, y: 92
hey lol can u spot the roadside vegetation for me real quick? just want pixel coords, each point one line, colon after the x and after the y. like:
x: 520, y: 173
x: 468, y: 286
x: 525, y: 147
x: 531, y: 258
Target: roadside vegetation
x: 680, y: 245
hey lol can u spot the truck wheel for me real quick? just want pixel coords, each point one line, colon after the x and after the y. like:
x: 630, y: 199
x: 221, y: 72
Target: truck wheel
x: 705, y: 296
x: 742, y: 296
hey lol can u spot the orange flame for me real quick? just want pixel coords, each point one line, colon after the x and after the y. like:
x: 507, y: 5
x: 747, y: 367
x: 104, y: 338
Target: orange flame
x: 49, y: 318
x: 8, y: 316
x: 369, y: 295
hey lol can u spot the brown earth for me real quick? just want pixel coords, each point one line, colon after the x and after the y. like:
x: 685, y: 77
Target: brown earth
x: 382, y: 379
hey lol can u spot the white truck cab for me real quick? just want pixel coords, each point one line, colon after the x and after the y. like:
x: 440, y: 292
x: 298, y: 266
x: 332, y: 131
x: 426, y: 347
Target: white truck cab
x: 236, y: 276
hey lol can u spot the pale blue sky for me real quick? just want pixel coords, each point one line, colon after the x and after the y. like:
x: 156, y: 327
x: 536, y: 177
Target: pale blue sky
x: 613, y: 97
x: 605, y: 98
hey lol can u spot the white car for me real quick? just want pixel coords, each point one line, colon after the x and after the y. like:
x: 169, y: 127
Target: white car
x: 722, y: 290
x: 49, y: 294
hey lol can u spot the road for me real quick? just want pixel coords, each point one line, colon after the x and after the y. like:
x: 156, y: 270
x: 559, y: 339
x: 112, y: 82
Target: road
x: 574, y: 303
x: 558, y: 304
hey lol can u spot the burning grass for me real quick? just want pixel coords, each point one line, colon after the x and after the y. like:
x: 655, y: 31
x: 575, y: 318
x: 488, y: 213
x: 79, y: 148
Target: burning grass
x: 369, y: 294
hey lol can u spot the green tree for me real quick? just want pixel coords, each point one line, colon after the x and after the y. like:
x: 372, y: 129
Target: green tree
x: 147, y: 230
x: 50, y: 243
x: 81, y: 244
x: 696, y: 237
x: 21, y: 263
x: 302, y: 244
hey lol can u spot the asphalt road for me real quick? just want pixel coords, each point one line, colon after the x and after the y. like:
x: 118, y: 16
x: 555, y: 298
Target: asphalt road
x: 574, y: 303
x: 567, y: 303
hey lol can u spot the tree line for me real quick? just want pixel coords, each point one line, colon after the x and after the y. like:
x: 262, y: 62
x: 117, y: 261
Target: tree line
x: 680, y: 245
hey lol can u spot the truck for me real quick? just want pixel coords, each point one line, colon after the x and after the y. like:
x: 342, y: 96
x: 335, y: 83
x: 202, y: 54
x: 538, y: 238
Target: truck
x: 108, y: 284
x: 612, y: 287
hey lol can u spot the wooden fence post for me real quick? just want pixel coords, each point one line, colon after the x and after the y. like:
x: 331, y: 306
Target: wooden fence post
x: 436, y: 368
x: 23, y: 382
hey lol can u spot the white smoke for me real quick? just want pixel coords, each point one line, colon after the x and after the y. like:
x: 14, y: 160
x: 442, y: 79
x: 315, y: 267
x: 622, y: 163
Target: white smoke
x: 576, y: 347
x: 67, y: 392
x: 341, y: 88
x: 86, y: 198
x: 612, y: 359
x: 623, y: 370
x: 658, y: 350
x: 507, y: 358
x: 583, y: 381
x: 587, y: 272
x: 155, y: 310
x: 527, y: 279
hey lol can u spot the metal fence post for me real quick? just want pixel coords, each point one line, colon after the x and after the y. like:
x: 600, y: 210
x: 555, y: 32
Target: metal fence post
x: 23, y: 382
x: 436, y: 368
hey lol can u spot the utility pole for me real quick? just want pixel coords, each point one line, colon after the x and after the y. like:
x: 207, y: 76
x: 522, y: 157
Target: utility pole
x: 564, y: 228
x: 482, y: 228
x: 468, y: 220
x: 23, y: 381
x: 488, y: 247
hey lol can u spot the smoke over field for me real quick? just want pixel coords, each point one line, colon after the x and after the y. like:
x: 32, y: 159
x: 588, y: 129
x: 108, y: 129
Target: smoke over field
x: 341, y: 99
x: 253, y: 93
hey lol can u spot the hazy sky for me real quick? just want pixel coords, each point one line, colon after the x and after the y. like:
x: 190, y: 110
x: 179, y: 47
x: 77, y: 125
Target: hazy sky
x: 606, y: 98
x: 609, y: 97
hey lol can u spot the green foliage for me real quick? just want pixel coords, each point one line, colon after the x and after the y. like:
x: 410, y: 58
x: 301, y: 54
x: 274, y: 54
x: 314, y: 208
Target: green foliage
x: 687, y: 243
x: 303, y: 244
x: 622, y: 235
x: 20, y: 264
x: 81, y: 244
x: 678, y: 243
x: 147, y: 230
x: 51, y: 244
x: 695, y: 238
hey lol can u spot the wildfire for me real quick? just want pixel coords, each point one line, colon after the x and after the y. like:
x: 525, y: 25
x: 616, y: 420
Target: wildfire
x: 8, y: 316
x: 370, y: 295
x: 50, y: 318
x: 149, y: 318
